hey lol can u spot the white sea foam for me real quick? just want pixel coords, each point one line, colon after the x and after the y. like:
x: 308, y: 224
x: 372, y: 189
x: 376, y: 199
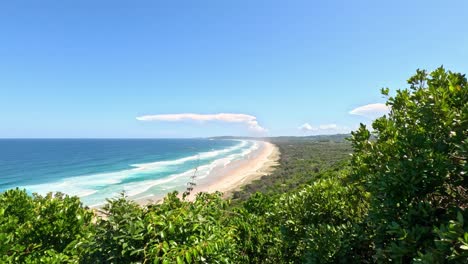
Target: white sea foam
x: 134, y: 189
x: 202, y: 155
x: 96, y: 187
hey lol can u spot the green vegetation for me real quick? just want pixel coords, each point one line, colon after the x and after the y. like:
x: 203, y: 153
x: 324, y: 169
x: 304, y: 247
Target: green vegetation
x: 401, y: 197
x: 415, y: 171
x: 302, y: 161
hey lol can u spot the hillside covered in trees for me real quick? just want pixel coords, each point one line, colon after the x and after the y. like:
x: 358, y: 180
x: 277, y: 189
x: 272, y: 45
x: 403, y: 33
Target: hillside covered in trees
x: 395, y: 193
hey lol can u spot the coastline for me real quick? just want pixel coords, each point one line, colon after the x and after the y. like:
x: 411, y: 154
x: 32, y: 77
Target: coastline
x: 242, y: 172
x: 234, y: 175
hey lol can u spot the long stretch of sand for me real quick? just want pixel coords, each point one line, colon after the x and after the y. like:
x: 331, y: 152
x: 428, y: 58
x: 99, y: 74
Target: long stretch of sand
x: 231, y: 177
x: 238, y: 173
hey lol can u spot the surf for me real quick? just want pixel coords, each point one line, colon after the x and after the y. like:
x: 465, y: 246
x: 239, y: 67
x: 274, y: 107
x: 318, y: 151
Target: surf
x: 142, y: 179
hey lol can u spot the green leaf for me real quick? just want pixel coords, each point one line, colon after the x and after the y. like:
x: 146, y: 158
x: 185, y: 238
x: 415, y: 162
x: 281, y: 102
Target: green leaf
x: 188, y: 257
x: 179, y: 260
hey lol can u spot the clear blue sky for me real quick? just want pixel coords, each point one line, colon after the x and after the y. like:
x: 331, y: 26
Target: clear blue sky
x: 90, y: 68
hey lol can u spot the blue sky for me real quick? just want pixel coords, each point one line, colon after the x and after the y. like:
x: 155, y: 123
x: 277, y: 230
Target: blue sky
x: 91, y: 68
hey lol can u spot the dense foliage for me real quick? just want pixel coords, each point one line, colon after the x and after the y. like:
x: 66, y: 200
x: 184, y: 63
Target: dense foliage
x: 302, y: 161
x: 41, y: 229
x: 400, y: 198
x: 415, y: 170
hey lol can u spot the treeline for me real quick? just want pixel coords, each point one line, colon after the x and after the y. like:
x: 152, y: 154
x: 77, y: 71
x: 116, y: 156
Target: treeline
x: 400, y: 198
x: 302, y: 161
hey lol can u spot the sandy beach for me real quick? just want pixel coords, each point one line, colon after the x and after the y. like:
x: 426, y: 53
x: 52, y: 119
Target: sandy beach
x: 238, y: 173
x: 231, y: 177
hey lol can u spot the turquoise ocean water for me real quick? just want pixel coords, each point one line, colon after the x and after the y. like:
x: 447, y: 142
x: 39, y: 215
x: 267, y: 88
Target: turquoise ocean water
x: 96, y: 169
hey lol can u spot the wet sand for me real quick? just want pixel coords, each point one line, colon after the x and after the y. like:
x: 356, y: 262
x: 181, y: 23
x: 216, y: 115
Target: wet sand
x: 234, y: 175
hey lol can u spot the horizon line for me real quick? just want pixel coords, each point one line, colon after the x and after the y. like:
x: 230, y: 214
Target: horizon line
x: 7, y: 138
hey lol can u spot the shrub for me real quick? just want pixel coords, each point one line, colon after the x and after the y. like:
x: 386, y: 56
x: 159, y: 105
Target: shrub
x: 40, y: 227
x: 415, y: 168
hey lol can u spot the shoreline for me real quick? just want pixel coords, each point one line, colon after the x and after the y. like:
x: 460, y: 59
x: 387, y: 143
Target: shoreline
x: 233, y: 176
x: 242, y: 172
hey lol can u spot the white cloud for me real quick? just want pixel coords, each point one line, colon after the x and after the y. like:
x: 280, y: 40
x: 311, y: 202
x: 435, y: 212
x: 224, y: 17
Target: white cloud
x: 249, y: 120
x: 307, y: 127
x: 324, y: 129
x: 371, y: 110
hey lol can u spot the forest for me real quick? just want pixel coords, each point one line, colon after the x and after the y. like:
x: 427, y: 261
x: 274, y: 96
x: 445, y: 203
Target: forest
x: 395, y: 192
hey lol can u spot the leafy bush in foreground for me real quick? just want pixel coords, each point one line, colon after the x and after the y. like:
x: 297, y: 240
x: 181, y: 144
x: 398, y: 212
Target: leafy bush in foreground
x: 415, y: 171
x: 175, y: 231
x: 319, y: 222
x: 40, y: 229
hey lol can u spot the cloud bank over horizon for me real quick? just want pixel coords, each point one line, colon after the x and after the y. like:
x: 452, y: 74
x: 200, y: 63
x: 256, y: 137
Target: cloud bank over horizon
x: 249, y: 120
x: 369, y: 111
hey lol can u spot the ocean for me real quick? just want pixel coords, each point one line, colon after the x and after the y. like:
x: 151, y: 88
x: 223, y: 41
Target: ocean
x: 96, y: 169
